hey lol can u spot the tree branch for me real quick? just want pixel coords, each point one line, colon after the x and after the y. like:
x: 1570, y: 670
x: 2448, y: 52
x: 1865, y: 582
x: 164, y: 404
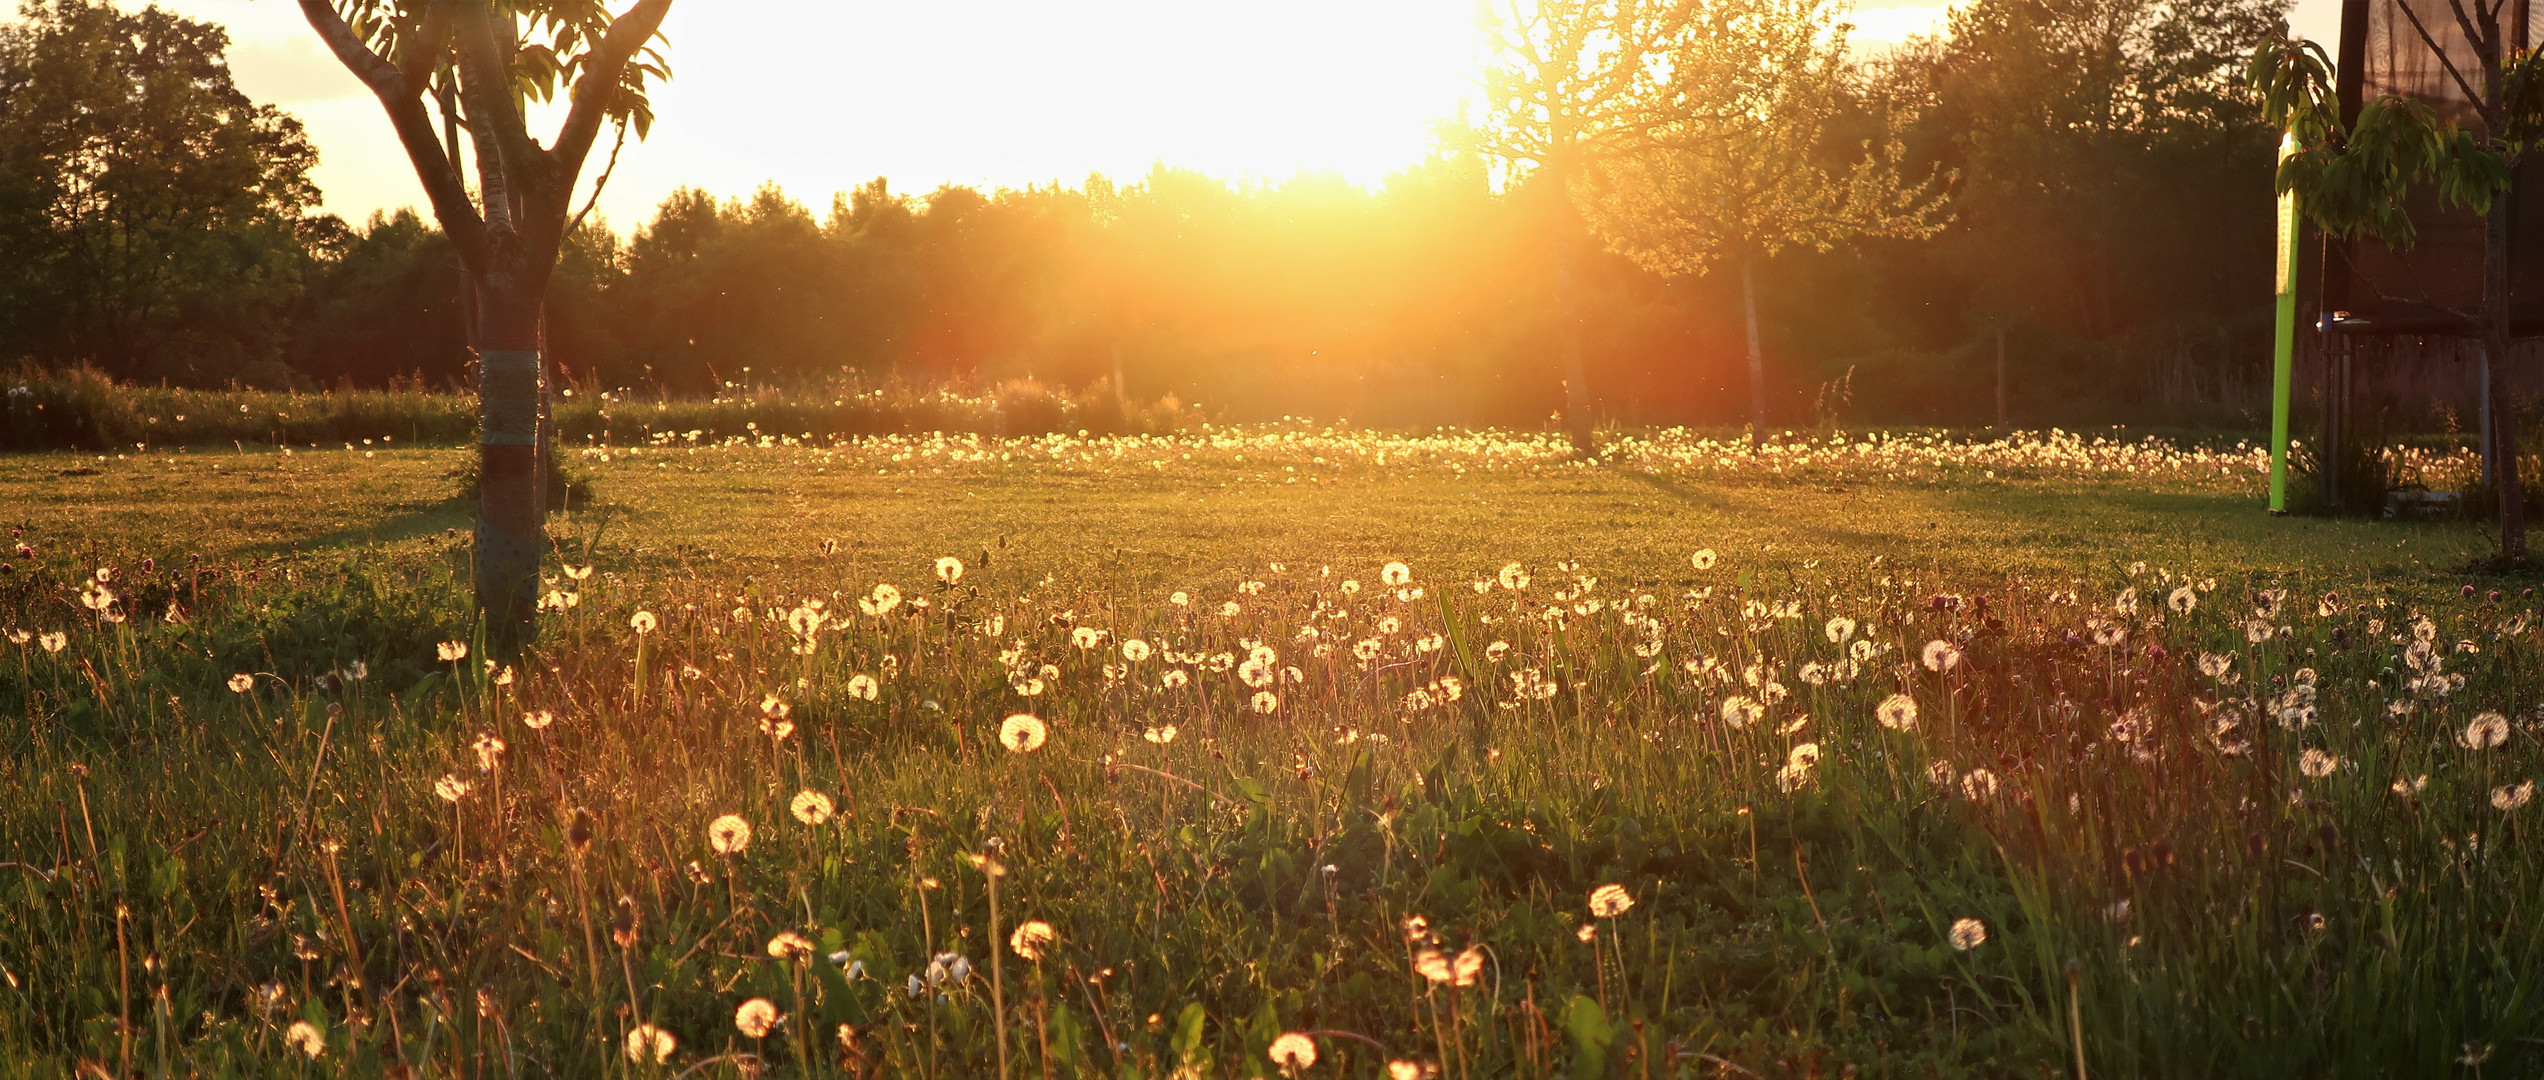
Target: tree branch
x: 432, y: 36
x: 402, y: 99
x: 2440, y: 52
x: 592, y: 92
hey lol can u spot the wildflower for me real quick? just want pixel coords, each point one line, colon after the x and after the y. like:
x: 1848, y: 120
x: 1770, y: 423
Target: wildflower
x: 53, y: 642
x: 1798, y: 766
x: 1031, y: 938
x: 1415, y: 928
x: 650, y: 1042
x: 2316, y: 763
x: 1898, y: 712
x: 1588, y: 933
x: 537, y: 719
x: 883, y: 599
x: 1293, y: 1052
x: 949, y: 569
x: 242, y: 683
x: 1469, y: 965
x: 2512, y: 796
x: 2486, y: 731
x: 578, y: 573
x: 2183, y: 600
x: 2409, y: 788
x: 304, y: 1037
x: 451, y: 651
x: 1941, y: 656
x: 1740, y: 712
x: 642, y: 622
x: 810, y: 807
x: 1265, y: 702
x: 1086, y: 637
x: 489, y: 749
x: 2215, y: 665
x: 1609, y: 901
x: 504, y: 677
x: 945, y: 965
x: 789, y: 945
x: 452, y: 788
x: 1514, y: 576
x: 1432, y: 964
x: 1401, y: 1069
x: 1160, y: 735
x: 1021, y: 733
x: 1968, y: 934
x: 1135, y: 650
x: 1840, y: 629
x: 756, y: 1018
x: 1703, y: 559
x: 1978, y: 785
x: 863, y: 687
x: 729, y: 835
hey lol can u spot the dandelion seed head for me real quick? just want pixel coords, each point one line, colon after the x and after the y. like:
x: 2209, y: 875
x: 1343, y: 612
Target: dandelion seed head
x: 1293, y: 1052
x: 643, y: 622
x: 647, y: 1043
x: 1031, y: 939
x: 1898, y: 712
x: 1968, y: 934
x: 305, y: 1037
x: 1609, y: 901
x: 729, y: 835
x: 810, y: 807
x: 756, y: 1018
x: 1022, y: 733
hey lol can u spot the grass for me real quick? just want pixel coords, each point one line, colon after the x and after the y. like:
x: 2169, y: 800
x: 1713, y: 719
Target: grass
x: 2115, y: 790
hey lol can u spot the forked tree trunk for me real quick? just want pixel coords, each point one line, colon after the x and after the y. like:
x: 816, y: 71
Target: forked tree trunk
x: 1757, y: 361
x: 511, y: 527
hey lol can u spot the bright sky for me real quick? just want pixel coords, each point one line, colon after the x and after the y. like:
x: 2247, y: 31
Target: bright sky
x: 822, y: 95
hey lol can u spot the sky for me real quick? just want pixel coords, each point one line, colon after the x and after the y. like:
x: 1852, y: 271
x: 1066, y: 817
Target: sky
x: 822, y: 95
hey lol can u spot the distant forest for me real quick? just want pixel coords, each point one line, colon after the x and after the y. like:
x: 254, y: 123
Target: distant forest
x: 2110, y: 229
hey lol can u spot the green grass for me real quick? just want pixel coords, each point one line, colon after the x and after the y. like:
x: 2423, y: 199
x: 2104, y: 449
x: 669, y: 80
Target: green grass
x: 198, y: 869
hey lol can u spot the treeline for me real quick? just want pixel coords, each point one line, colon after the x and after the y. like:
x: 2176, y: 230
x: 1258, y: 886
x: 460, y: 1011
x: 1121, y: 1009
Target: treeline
x: 2107, y: 190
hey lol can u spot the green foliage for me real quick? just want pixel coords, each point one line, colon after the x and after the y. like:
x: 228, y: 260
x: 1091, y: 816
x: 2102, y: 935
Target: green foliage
x: 153, y: 215
x: 2352, y: 180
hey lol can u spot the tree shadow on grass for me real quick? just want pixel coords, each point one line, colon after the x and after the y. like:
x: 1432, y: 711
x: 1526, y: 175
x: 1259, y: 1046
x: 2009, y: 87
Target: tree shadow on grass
x: 402, y: 521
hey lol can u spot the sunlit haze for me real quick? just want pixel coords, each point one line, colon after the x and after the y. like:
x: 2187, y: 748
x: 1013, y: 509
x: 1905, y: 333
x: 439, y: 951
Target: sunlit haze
x: 819, y: 97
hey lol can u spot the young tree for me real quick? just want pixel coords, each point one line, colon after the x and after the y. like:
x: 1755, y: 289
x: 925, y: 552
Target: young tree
x: 2352, y: 179
x: 1740, y: 164
x: 1572, y: 85
x: 485, y: 63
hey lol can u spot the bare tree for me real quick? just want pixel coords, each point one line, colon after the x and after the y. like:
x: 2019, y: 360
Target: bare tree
x: 484, y: 64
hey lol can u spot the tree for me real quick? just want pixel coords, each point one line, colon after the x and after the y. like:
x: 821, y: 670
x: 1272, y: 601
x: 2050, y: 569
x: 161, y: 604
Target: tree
x: 1739, y: 163
x: 485, y: 64
x: 2352, y: 180
x: 1571, y: 86
x: 153, y: 216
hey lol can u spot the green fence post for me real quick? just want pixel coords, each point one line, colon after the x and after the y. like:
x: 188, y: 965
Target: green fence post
x: 2284, y: 350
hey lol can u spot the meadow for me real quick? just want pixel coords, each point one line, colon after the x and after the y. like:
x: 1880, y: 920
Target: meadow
x: 1277, y: 750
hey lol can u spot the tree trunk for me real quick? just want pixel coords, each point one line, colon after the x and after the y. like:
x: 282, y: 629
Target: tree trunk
x: 1757, y: 361
x: 2495, y: 346
x: 511, y: 532
x: 1577, y: 419
x: 2001, y: 423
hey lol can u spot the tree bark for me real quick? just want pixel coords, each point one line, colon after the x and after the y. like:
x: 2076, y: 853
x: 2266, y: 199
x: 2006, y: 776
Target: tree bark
x: 2503, y: 446
x: 511, y: 526
x: 1757, y: 361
